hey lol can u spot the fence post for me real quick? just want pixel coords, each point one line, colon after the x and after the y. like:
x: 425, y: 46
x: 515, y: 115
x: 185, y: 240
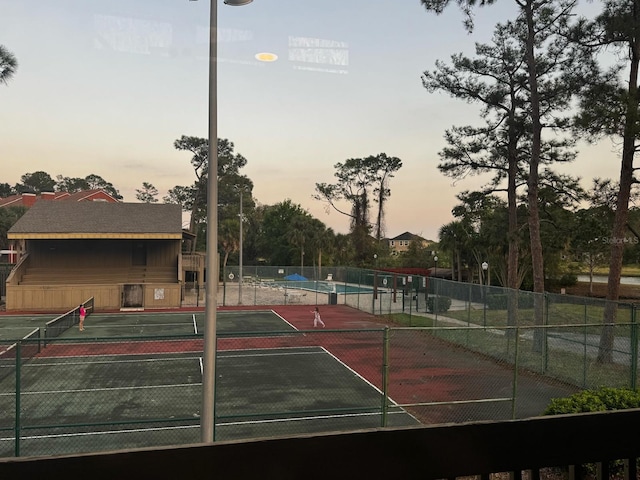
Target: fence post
x: 17, y: 425
x: 545, y: 343
x: 584, y: 348
x: 634, y: 348
x: 385, y: 375
x: 410, y: 304
x: 435, y: 302
x: 514, y: 390
x: 224, y: 286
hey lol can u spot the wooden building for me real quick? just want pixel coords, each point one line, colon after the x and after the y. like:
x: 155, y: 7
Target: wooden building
x: 125, y: 255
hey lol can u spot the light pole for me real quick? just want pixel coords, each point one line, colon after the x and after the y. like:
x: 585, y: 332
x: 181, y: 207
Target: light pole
x: 241, y: 189
x: 207, y: 416
x: 375, y: 279
x: 485, y: 267
x: 435, y: 273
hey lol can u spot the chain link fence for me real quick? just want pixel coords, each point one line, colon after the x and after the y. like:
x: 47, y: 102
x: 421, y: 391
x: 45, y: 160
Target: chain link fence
x: 87, y: 394
x: 457, y: 352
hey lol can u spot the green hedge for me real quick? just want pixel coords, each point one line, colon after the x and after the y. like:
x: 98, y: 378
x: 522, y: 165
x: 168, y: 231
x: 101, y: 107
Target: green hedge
x: 499, y: 301
x: 598, y: 400
x: 443, y: 303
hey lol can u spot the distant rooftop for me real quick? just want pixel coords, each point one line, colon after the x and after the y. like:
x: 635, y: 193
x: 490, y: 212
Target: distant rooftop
x: 99, y: 220
x: 29, y: 199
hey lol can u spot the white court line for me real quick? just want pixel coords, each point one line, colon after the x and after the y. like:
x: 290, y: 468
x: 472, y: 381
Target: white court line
x: 184, y: 427
x: 201, y: 367
x: 283, y: 319
x: 105, y: 432
x: 195, y: 325
x: 137, y: 325
x: 274, y: 354
x: 393, y: 402
x: 316, y: 417
x: 105, y: 389
x: 109, y: 362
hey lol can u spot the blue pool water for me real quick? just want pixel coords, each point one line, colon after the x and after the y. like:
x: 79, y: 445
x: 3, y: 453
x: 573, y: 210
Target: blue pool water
x: 326, y: 287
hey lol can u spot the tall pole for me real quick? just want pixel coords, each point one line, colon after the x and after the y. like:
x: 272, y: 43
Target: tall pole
x: 240, y: 266
x: 435, y: 272
x: 207, y: 417
x: 485, y: 267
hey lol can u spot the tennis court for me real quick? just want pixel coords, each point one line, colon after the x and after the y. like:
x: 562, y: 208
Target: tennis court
x: 134, y: 324
x: 100, y: 389
x: 13, y: 327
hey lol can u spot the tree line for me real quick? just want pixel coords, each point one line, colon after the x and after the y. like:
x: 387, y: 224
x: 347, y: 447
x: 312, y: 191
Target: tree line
x: 280, y: 234
x: 541, y: 84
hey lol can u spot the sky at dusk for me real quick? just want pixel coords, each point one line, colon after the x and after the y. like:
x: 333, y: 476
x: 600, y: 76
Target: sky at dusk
x: 107, y: 86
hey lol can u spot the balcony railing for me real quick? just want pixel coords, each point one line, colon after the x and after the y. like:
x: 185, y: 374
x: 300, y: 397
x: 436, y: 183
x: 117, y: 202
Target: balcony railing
x: 193, y: 262
x: 565, y: 442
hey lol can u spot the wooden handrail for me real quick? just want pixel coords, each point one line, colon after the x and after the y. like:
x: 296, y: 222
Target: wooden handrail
x: 426, y: 453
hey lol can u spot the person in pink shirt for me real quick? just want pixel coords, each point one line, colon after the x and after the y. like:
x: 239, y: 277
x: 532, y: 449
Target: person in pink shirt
x: 83, y: 313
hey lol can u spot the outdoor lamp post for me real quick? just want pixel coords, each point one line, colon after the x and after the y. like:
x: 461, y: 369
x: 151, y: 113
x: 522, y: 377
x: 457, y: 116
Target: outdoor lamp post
x: 241, y: 189
x: 207, y: 417
x: 435, y: 273
x: 485, y: 267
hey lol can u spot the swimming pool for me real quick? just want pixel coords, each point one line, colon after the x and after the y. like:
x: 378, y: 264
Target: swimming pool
x: 326, y: 287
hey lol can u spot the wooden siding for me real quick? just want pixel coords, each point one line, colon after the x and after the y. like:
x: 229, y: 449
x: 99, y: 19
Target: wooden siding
x: 100, y: 253
x: 62, y: 273
x: 60, y: 298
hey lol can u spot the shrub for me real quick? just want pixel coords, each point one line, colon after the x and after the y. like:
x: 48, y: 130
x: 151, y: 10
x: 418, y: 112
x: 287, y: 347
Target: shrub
x: 499, y: 302
x: 566, y: 280
x: 441, y: 302
x: 599, y: 400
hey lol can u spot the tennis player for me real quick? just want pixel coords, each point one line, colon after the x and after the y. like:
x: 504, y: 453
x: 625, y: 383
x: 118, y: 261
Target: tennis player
x: 83, y: 313
x: 316, y: 318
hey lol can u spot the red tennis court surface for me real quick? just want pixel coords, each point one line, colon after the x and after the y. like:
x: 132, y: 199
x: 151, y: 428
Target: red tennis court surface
x: 457, y: 384
x: 424, y: 368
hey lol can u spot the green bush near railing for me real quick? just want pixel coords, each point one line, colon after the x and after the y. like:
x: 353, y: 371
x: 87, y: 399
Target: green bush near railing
x: 598, y: 400
x: 438, y: 304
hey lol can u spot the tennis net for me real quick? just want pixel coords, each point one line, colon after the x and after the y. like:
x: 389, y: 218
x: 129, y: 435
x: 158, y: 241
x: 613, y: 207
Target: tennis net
x: 56, y: 327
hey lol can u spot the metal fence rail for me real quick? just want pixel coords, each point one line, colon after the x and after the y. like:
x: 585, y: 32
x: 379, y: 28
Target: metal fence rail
x: 382, y: 293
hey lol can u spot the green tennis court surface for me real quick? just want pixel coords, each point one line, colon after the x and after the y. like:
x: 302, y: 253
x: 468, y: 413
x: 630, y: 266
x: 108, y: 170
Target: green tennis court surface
x: 135, y: 380
x: 102, y: 402
x: 14, y: 327
x: 133, y: 324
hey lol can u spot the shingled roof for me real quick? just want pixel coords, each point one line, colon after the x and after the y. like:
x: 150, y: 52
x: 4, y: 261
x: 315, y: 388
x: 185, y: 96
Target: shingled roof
x: 99, y: 220
x: 407, y: 236
x: 27, y: 199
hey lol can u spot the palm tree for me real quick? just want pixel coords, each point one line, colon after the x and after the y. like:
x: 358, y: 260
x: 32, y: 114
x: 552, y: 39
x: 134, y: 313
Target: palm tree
x: 297, y: 235
x: 8, y: 65
x: 343, y: 249
x: 453, y: 237
x: 319, y: 240
x: 229, y: 238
